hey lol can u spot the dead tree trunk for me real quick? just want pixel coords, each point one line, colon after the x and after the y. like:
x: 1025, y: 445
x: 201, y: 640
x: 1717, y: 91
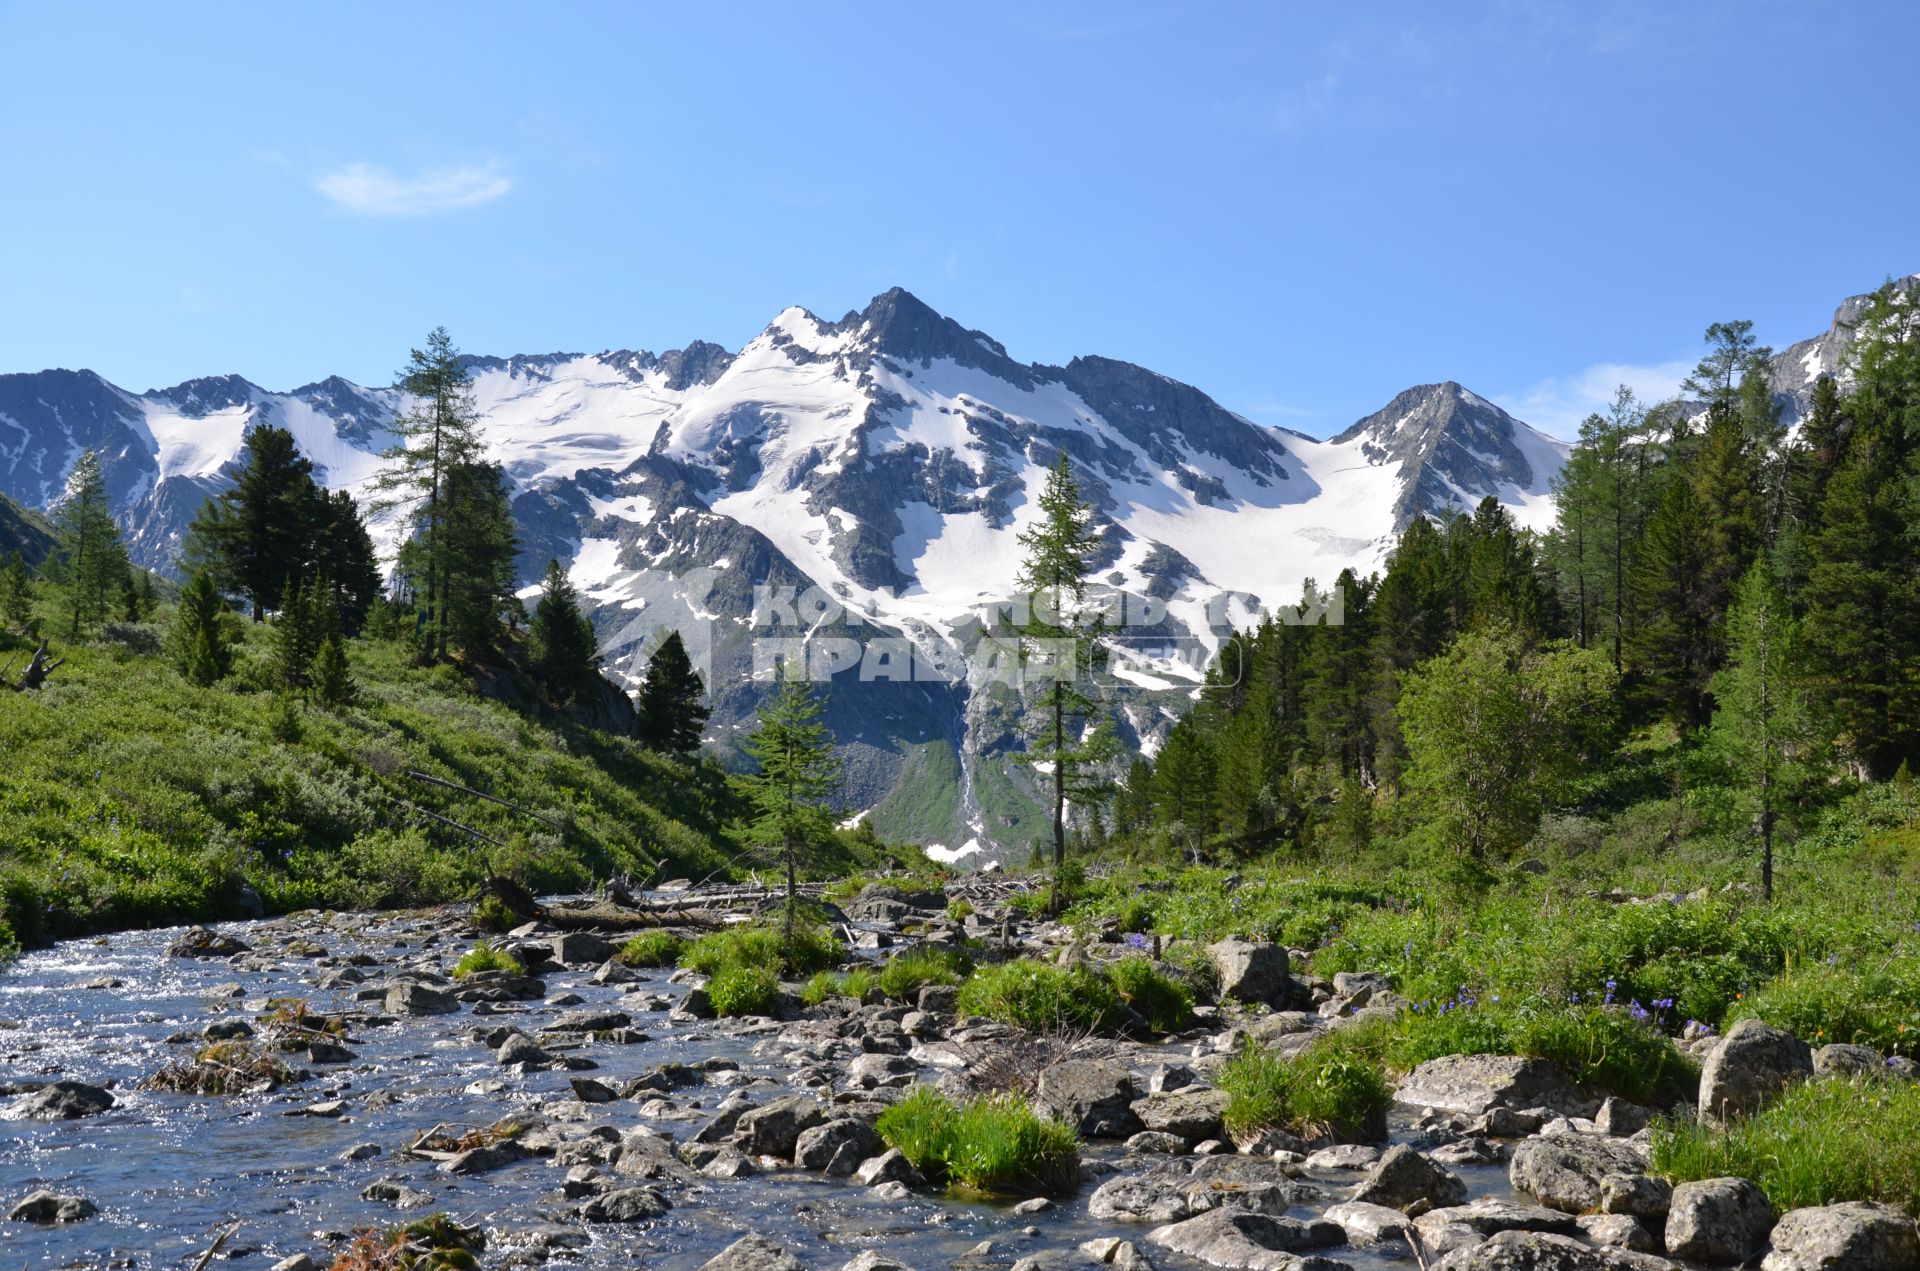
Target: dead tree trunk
x: 38, y: 669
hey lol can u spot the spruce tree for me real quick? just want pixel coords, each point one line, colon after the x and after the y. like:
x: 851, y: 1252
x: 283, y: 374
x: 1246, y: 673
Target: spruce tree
x: 561, y: 643
x: 332, y: 677
x: 1763, y: 725
x: 672, y: 712
x: 476, y: 548
x: 798, y: 772
x: 90, y: 562
x: 199, y: 645
x: 1673, y: 646
x: 1060, y: 646
x: 438, y: 437
x: 296, y: 637
x: 262, y: 531
x: 344, y: 557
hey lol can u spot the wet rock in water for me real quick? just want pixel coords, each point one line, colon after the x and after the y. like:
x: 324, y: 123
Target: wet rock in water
x: 1854, y: 1236
x: 1153, y: 1197
x: 1476, y: 1084
x: 589, y: 1022
x: 1256, y: 1242
x: 521, y: 1049
x: 1093, y: 1096
x: 891, y: 1166
x: 320, y: 1051
x: 1367, y: 1224
x: 490, y: 1156
x: 874, y: 1260
x: 361, y: 1152
x: 752, y: 1253
x: 1114, y: 1252
x: 587, y: 1090
x: 1403, y: 1178
x: 773, y: 1128
x: 1488, y: 1216
x: 1344, y: 1156
x: 1752, y: 1064
x: 1158, y: 1142
x: 875, y: 1070
x: 836, y: 1147
x: 728, y: 1163
x: 397, y: 1193
x: 418, y: 999
x: 1252, y: 971
x: 222, y: 1030
x: 298, y: 1262
x: 1472, y: 1150
x: 199, y: 942
x: 626, y: 1204
x: 1537, y: 1251
x: 581, y: 949
x: 1192, y: 1115
x: 49, y: 1207
x: 1565, y: 1173
x: 60, y: 1101
x: 1166, y: 1078
x: 1718, y: 1220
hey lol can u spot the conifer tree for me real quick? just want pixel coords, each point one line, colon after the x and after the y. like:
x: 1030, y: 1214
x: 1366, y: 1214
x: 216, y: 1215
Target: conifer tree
x: 344, y: 557
x: 561, y: 643
x: 1763, y: 725
x: 672, y: 712
x: 1060, y: 646
x: 199, y: 644
x: 476, y: 549
x: 296, y: 637
x: 261, y: 532
x: 332, y: 676
x: 1673, y: 647
x: 90, y: 562
x: 798, y: 773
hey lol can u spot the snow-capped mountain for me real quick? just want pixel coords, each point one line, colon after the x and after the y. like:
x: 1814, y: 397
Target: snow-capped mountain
x: 1795, y: 369
x: 862, y: 481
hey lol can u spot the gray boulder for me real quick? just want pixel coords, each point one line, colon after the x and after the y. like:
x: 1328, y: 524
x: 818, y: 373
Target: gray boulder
x: 752, y: 1253
x: 1640, y: 1195
x: 1403, y: 1178
x: 1091, y: 1095
x: 1841, y: 1059
x: 836, y: 1147
x: 1540, y: 1251
x: 1193, y: 1115
x: 47, y: 1207
x: 773, y: 1129
x: 1489, y: 1216
x: 1255, y: 1242
x: 1752, y: 1064
x: 1855, y: 1236
x: 1251, y: 972
x: 418, y: 999
x: 61, y: 1101
x: 1368, y: 1224
x: 1565, y: 1172
x: 891, y: 1166
x: 626, y: 1204
x: 1477, y: 1084
x: 1718, y: 1220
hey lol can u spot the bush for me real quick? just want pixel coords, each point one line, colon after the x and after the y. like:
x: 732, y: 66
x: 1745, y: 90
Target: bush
x: 743, y: 990
x: 764, y: 945
x: 994, y: 1146
x: 1327, y: 1090
x: 485, y: 957
x: 1040, y: 997
x: 958, y: 911
x: 1606, y: 1047
x: 652, y: 949
x: 492, y: 914
x: 1820, y: 1143
x: 1163, y: 1001
x: 1833, y: 1003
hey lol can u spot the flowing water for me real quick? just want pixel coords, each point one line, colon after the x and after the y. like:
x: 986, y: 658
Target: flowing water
x: 170, y: 1171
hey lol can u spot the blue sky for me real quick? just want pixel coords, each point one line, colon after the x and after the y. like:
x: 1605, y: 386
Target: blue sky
x: 1301, y: 212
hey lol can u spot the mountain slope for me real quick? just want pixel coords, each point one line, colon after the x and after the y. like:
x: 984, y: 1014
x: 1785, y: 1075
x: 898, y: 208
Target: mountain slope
x: 24, y: 531
x: 862, y: 482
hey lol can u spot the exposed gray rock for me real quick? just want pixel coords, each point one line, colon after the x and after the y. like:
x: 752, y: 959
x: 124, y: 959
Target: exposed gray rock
x: 1476, y: 1084
x: 1618, y: 1231
x: 1718, y: 1220
x: 1254, y: 1242
x: 1251, y: 972
x: 199, y: 942
x: 1489, y: 1216
x: 1621, y: 1119
x: 1752, y: 1064
x: 836, y: 1147
x: 49, y: 1207
x: 418, y: 999
x: 627, y: 1204
x: 891, y: 1166
x: 1539, y: 1251
x: 1842, y: 1059
x: 1367, y: 1224
x: 1158, y: 1142
x: 1640, y: 1195
x: 1854, y: 1236
x: 774, y: 1128
x: 1093, y: 1096
x: 874, y: 1260
x: 752, y: 1253
x: 1565, y: 1172
x: 1193, y: 1115
x: 1403, y: 1178
x: 60, y: 1101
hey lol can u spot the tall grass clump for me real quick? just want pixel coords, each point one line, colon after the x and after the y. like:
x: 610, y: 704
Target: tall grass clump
x: 1162, y: 1000
x: 1819, y: 1143
x: 996, y: 1146
x: 905, y: 974
x: 764, y: 945
x: 487, y: 957
x: 655, y: 948
x: 1331, y: 1089
x: 1041, y: 997
x: 743, y: 990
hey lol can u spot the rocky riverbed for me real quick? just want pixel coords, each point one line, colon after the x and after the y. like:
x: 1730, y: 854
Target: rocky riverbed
x: 582, y: 1114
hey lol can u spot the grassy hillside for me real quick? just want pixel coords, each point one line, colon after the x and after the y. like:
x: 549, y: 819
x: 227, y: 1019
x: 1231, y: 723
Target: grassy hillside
x: 25, y: 531
x: 130, y: 797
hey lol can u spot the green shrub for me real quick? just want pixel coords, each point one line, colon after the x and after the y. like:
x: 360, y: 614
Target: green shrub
x: 652, y: 949
x: 1163, y: 1001
x: 764, y: 945
x: 1819, y: 1143
x: 1877, y: 1007
x: 820, y: 986
x: 492, y: 914
x: 1326, y: 1090
x: 743, y: 990
x: 1041, y: 997
x: 995, y: 1146
x: 958, y: 911
x: 905, y: 974
x: 485, y: 957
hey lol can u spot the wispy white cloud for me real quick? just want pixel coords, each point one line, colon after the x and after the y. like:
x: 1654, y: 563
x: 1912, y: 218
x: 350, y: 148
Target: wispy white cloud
x: 367, y: 189
x: 1558, y: 405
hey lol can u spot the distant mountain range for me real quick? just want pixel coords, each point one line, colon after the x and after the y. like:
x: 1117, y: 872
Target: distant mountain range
x: 883, y: 464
